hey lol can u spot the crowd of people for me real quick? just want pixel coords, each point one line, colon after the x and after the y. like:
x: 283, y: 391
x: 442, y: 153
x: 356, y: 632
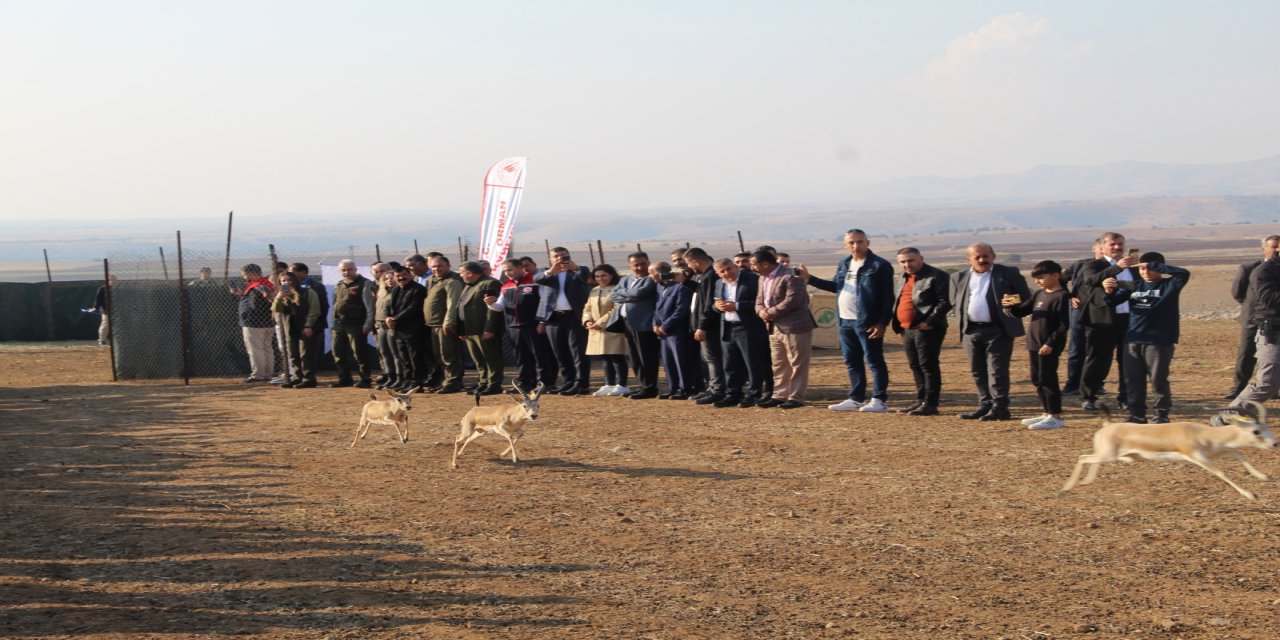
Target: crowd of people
x: 738, y: 331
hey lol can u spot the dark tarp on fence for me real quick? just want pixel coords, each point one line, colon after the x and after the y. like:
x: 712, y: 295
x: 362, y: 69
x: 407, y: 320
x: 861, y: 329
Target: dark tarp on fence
x: 25, y: 311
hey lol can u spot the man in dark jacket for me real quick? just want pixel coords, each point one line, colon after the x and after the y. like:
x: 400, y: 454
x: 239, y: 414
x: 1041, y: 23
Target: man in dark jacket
x: 481, y: 327
x: 1244, y: 295
x: 1105, y: 323
x: 440, y: 311
x: 564, y: 296
x: 1265, y: 282
x: 256, y: 324
x: 636, y: 296
x: 406, y: 327
x: 520, y: 300
x: 353, y: 314
x: 920, y: 317
x: 986, y: 330
x: 864, y: 298
x: 743, y: 336
x: 706, y: 323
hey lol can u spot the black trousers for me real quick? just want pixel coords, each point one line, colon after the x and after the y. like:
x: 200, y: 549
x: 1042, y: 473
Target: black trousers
x: 923, y: 349
x: 989, y: 349
x: 746, y: 360
x: 1044, y: 375
x: 1246, y: 359
x: 1103, y: 346
x: 645, y: 356
x: 409, y: 347
x: 533, y: 356
x: 568, y: 340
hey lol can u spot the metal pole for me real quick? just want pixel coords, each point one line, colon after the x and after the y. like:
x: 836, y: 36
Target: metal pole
x: 741, y: 247
x: 638, y: 248
x: 415, y: 246
x: 600, y: 251
x: 111, y: 325
x: 377, y: 250
x: 226, y: 263
x: 164, y: 265
x: 48, y: 299
x: 548, y: 243
x: 184, y: 318
x: 462, y: 253
x: 592, y: 250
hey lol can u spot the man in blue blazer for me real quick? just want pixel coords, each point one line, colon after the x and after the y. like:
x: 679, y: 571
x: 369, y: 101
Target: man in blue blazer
x: 565, y: 293
x: 636, y: 296
x: 986, y: 329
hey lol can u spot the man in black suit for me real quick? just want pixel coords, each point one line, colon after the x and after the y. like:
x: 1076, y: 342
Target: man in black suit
x: 565, y: 292
x: 986, y: 331
x: 706, y: 323
x: 406, y: 325
x: 1076, y: 338
x: 519, y: 298
x: 743, y: 336
x: 1246, y: 295
x: 1104, y: 324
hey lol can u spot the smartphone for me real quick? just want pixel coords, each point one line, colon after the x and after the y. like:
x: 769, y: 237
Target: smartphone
x: 564, y: 259
x: 1134, y: 253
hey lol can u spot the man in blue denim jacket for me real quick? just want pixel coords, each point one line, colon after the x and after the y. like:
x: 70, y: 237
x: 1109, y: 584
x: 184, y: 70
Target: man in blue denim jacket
x: 863, y: 285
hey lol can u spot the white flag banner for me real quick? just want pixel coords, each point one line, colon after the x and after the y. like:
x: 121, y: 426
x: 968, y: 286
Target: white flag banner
x: 503, y: 184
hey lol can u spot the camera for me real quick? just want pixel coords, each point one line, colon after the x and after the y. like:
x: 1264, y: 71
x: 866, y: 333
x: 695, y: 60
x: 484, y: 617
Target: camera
x: 565, y: 259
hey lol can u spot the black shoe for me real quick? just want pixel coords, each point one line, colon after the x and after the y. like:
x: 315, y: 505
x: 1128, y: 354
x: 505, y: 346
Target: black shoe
x: 341, y: 383
x: 453, y: 388
x: 253, y: 380
x: 491, y: 391
x: 769, y: 403
x: 790, y: 404
x: 1136, y: 420
x: 306, y: 384
x: 364, y: 384
x: 998, y: 413
x: 924, y: 410
x: 664, y: 396
x: 382, y: 379
x: 549, y: 389
x: 727, y: 401
x: 288, y: 384
x: 679, y: 396
x: 1161, y: 419
x: 976, y: 414
x: 1070, y: 390
x: 644, y: 394
x: 913, y: 407
x: 709, y: 398
x: 747, y: 403
x: 1089, y: 405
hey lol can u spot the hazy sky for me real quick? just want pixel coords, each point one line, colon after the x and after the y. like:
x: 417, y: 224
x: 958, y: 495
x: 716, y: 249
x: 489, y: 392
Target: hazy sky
x: 180, y: 108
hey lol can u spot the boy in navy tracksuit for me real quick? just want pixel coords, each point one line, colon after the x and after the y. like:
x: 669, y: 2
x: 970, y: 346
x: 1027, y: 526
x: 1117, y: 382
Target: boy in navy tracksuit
x: 1153, y: 332
x: 1050, y: 311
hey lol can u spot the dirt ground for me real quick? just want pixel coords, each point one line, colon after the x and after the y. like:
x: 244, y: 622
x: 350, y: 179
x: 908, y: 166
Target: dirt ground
x: 161, y: 510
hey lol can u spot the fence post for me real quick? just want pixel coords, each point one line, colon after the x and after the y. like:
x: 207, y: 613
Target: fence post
x: 184, y: 318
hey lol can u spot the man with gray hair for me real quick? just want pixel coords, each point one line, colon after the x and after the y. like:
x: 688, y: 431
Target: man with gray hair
x: 1246, y: 295
x: 354, y: 311
x: 986, y: 329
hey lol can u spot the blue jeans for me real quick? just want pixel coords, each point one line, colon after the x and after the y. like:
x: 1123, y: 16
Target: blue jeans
x: 858, y: 350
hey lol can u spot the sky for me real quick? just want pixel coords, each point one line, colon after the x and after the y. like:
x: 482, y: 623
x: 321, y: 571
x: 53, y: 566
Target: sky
x: 177, y: 109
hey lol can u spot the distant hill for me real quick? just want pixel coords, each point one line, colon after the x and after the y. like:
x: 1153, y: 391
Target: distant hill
x: 1116, y: 180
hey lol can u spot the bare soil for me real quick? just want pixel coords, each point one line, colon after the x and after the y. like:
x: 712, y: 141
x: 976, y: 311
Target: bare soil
x: 136, y: 510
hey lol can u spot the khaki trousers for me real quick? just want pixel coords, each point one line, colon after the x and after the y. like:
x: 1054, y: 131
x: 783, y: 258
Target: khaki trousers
x: 791, y: 353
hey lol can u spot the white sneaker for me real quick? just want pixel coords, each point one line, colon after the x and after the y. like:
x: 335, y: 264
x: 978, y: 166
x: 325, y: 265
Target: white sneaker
x: 1049, y: 422
x: 1031, y: 421
x: 603, y: 391
x: 874, y: 405
x: 620, y: 390
x: 847, y: 405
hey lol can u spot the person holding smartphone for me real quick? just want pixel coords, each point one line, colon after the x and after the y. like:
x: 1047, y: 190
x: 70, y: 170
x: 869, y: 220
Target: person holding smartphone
x: 1106, y: 321
x: 566, y: 294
